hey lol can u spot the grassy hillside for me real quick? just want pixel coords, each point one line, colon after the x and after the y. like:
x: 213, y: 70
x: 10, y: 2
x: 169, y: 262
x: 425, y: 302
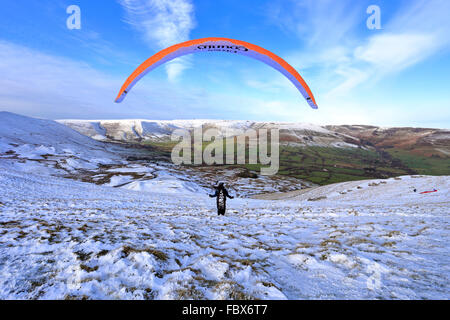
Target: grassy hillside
x: 323, y: 165
x: 431, y: 165
x: 326, y: 165
x: 329, y: 165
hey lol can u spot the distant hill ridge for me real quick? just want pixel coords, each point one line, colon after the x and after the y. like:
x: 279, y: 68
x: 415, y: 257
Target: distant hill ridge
x: 427, y: 141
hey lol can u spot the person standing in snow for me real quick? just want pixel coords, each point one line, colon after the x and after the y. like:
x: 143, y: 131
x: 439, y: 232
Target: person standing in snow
x: 221, y: 194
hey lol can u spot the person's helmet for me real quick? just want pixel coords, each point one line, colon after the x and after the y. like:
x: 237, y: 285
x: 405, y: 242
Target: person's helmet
x: 219, y: 184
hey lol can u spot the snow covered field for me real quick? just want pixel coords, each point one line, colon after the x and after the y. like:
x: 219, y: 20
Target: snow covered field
x: 151, y: 233
x: 63, y: 239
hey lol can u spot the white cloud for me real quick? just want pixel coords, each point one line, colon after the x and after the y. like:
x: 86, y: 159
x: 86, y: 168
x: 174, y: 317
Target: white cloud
x: 43, y: 85
x: 395, y: 52
x: 321, y: 23
x: 417, y: 31
x: 352, y: 77
x: 162, y: 23
x: 343, y: 62
x: 175, y: 67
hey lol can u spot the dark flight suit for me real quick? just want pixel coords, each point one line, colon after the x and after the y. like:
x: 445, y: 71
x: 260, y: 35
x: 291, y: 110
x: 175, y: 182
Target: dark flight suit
x: 221, y: 194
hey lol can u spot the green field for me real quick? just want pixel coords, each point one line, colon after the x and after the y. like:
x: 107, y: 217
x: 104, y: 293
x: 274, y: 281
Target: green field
x: 329, y: 165
x: 326, y: 165
x: 434, y: 165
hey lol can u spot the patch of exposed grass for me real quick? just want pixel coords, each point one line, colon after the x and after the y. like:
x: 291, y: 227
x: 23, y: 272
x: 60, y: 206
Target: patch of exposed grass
x: 330, y: 242
x: 127, y: 250
x: 389, y: 244
x: 102, y: 253
x: 83, y: 256
x: 87, y: 268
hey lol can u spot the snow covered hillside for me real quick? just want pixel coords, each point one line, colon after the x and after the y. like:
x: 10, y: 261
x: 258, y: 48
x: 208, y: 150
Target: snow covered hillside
x: 396, y: 191
x: 38, y: 145
x: 147, y: 229
x: 63, y: 239
x: 161, y: 130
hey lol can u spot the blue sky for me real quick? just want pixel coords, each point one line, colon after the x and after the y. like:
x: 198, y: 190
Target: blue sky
x: 396, y: 76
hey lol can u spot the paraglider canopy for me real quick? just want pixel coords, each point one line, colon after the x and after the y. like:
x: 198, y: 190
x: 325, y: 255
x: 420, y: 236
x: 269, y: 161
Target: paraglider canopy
x: 221, y: 45
x: 429, y: 191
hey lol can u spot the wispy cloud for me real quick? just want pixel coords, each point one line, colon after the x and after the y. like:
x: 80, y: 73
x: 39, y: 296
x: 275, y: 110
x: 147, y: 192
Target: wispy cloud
x: 101, y: 50
x: 44, y: 85
x: 321, y: 23
x: 343, y: 58
x: 162, y: 24
x: 417, y: 32
x: 395, y: 51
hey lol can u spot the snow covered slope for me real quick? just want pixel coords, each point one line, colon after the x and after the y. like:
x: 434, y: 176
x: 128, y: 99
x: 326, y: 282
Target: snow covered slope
x: 396, y: 191
x: 146, y: 230
x: 49, y: 148
x: 21, y: 130
x: 45, y: 146
x: 61, y: 239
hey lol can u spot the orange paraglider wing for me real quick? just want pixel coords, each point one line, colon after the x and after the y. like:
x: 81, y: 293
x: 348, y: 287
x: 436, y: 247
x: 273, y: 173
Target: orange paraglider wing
x: 223, y: 45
